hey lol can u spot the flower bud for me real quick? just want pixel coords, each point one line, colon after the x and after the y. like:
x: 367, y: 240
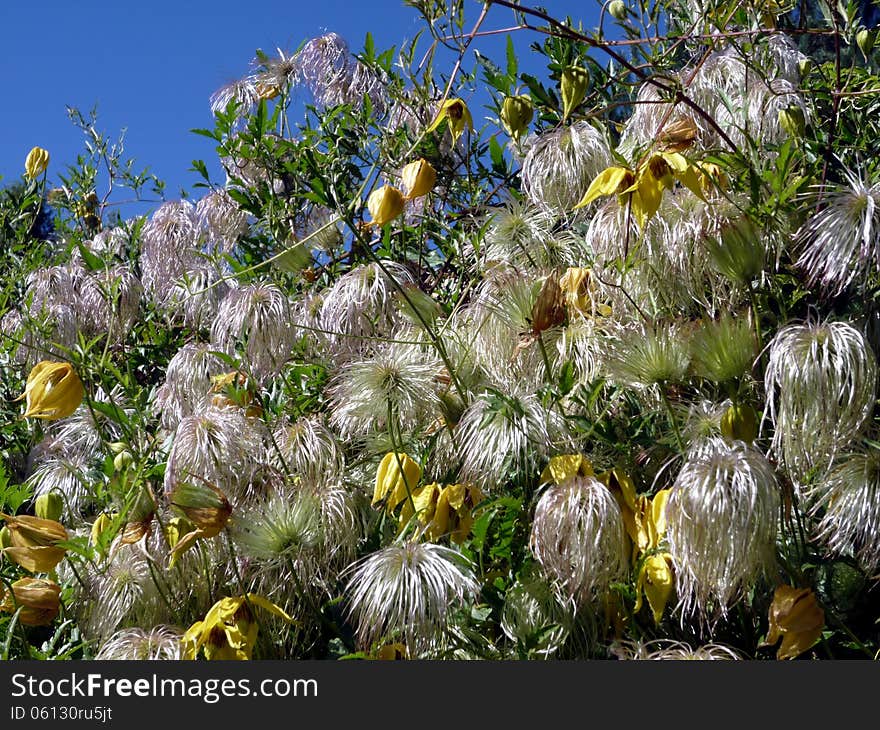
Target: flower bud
x: 574, y: 83
x: 805, y: 65
x: 122, y: 460
x: 53, y: 390
x: 385, y: 204
x: 38, y: 599
x: 418, y: 178
x: 101, y: 524
x: 5, y: 538
x: 792, y: 120
x: 617, y: 9
x: 49, y: 506
x: 516, y: 114
x: 740, y: 422
x: 36, y: 163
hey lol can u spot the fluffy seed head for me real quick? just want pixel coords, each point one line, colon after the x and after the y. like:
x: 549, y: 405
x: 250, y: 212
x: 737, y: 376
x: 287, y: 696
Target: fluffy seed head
x: 721, y: 524
x: 406, y: 591
x: 578, y: 537
x: 821, y: 383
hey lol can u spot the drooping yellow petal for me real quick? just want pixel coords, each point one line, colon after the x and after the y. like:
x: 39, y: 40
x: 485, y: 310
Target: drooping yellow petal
x: 794, y: 615
x: 458, y: 116
x: 564, y: 467
x: 656, y: 581
x: 396, y: 478
x: 36, y: 163
x: 53, y: 390
x: 657, y: 518
x: 611, y: 181
x: 36, y: 559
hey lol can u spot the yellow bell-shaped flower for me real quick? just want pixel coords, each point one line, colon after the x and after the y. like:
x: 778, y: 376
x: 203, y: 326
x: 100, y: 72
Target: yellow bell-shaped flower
x: 796, y: 617
x: 35, y: 542
x: 566, y: 466
x: 385, y: 204
x: 228, y: 630
x: 516, y: 114
x: 53, y: 390
x: 418, y: 178
x: 457, y: 116
x: 396, y: 478
x: 39, y: 600
x: 36, y: 163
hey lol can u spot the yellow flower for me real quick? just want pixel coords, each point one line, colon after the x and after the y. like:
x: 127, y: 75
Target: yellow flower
x: 418, y: 178
x: 35, y: 542
x: 385, y: 204
x: 516, y: 114
x: 53, y: 390
x: 444, y: 510
x: 564, y: 467
x: 796, y: 617
x: 457, y: 116
x: 228, y: 630
x: 655, y: 581
x: 36, y: 163
x: 38, y: 599
x: 396, y: 478
x: 577, y: 286
x: 644, y: 188
x: 392, y: 652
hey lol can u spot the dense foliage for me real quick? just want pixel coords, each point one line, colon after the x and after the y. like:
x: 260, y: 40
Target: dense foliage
x: 460, y: 360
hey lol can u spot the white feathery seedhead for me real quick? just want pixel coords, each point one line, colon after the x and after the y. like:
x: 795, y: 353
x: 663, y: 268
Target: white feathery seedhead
x: 72, y: 474
x: 847, y: 501
x: 579, y: 538
x: 841, y: 243
x: 242, y: 91
x: 170, y: 246
x: 187, y: 382
x: 407, y: 591
x: 307, y: 448
x: 222, y: 220
x: 399, y: 377
x: 109, y: 242
x: 640, y: 357
x: 221, y: 446
x: 119, y: 590
x: 560, y: 166
x: 194, y: 299
x: 671, y: 650
x: 821, y: 382
x: 362, y: 304
x: 47, y: 287
x: 256, y: 318
x: 518, y: 235
x: 722, y: 516
x: 161, y: 643
x: 498, y: 432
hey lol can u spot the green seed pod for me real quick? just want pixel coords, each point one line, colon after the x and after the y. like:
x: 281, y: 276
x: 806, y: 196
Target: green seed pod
x: 865, y: 41
x: 516, y: 114
x: 617, y: 9
x: 740, y: 422
x: 792, y: 120
x: 574, y: 83
x: 49, y: 506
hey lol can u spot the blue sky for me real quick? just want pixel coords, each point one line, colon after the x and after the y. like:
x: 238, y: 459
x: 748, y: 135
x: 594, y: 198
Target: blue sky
x: 150, y: 67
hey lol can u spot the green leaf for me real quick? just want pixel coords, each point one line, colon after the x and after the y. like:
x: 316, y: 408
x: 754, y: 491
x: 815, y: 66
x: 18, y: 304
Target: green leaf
x: 512, y: 63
